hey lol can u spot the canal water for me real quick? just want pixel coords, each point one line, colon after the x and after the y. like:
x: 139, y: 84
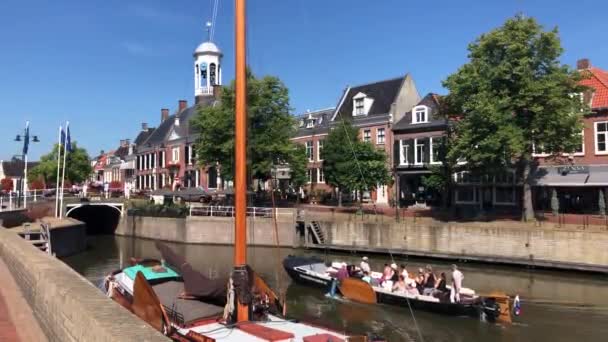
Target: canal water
x: 556, y: 306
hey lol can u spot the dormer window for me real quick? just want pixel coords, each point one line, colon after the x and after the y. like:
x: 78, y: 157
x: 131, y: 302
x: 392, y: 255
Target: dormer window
x: 361, y: 104
x: 420, y: 114
x: 359, y: 107
x: 310, y: 123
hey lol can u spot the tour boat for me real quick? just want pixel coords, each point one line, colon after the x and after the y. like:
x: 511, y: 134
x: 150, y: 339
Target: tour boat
x: 185, y: 305
x: 313, y: 271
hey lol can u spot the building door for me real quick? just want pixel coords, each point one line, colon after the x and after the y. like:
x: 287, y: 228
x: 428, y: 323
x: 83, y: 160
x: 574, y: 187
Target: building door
x: 212, y: 177
x: 381, y: 194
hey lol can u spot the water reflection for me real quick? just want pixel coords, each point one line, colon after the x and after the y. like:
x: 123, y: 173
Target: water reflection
x: 556, y: 306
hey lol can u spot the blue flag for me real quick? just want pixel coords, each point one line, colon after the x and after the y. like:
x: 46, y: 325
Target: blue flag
x: 62, y: 140
x: 68, y: 146
x: 26, y: 138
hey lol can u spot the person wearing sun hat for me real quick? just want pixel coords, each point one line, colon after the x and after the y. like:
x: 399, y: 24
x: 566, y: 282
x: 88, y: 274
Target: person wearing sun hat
x: 365, y: 265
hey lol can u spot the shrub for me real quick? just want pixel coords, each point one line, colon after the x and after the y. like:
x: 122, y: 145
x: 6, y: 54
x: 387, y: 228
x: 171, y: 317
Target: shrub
x: 37, y: 185
x: 158, y: 210
x: 6, y: 184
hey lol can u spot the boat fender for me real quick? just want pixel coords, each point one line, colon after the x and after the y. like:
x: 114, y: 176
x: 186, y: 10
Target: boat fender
x: 516, y: 306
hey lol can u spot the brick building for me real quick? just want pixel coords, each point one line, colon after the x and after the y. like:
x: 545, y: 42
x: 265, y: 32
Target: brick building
x: 165, y: 155
x: 372, y: 108
x: 578, y: 178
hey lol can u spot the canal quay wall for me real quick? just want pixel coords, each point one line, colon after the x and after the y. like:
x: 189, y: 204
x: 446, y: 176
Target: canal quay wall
x: 567, y: 247
x: 212, y: 230
x: 67, y: 306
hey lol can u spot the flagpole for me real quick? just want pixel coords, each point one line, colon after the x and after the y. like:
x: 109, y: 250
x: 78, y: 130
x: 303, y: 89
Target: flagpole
x: 65, y: 153
x: 26, y: 141
x: 58, y: 170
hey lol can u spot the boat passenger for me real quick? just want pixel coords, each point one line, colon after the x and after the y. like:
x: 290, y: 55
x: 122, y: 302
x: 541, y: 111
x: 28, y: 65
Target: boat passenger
x: 410, y: 286
x: 420, y: 280
x: 440, y: 286
x: 429, y: 281
x: 366, y: 278
x: 457, y: 278
x: 400, y: 286
x: 394, y: 273
x: 342, y: 272
x: 403, y: 272
x: 365, y: 265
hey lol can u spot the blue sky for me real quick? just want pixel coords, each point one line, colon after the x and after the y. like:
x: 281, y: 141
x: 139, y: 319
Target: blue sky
x: 108, y: 65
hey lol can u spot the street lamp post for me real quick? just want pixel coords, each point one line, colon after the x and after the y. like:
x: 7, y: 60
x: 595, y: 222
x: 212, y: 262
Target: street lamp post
x: 26, y: 143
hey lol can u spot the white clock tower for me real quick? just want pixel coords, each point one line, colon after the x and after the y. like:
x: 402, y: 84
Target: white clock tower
x: 207, y: 69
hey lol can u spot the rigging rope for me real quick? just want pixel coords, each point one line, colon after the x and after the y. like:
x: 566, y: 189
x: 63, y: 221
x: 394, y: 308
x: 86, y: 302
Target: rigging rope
x: 213, y: 19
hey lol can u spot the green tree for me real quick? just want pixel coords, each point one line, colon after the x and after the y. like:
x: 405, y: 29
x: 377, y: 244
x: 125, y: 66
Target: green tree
x: 270, y: 128
x: 297, y: 162
x: 78, y: 166
x: 350, y: 164
x: 514, y: 94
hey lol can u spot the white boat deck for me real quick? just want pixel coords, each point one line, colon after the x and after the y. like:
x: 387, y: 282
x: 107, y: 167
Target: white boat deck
x: 220, y: 332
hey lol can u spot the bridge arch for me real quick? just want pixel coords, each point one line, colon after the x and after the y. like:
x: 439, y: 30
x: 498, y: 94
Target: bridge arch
x: 100, y: 218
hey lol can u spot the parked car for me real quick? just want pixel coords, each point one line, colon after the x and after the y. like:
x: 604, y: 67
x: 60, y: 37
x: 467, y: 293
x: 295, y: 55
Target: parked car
x: 193, y: 195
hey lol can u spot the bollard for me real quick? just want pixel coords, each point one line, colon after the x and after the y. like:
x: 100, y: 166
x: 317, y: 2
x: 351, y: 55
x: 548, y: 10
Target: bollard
x: 10, y: 200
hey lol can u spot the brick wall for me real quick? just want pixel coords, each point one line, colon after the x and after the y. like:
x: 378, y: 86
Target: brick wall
x: 68, y: 307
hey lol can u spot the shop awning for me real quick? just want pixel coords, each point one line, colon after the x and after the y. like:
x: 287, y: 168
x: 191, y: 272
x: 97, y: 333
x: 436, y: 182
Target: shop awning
x: 577, y: 175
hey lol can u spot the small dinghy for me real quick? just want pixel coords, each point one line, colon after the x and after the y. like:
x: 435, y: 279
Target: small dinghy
x: 314, y: 272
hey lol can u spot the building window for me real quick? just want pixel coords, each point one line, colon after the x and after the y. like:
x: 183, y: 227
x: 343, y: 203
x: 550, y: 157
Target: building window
x: 418, y: 153
x: 212, y: 74
x: 162, y: 158
x: 580, y: 149
x: 380, y: 136
x: 319, y: 149
x: 310, y: 123
x: 359, y: 106
x: 175, y: 154
x: 320, y: 176
x: 404, y: 149
x: 309, y: 173
x: 466, y: 194
x: 538, y: 150
x: 420, y: 114
x: 367, y: 135
x: 601, y: 137
x: 504, y: 195
x: 465, y: 177
x: 435, y: 148
x: 507, y: 177
x: 309, y: 150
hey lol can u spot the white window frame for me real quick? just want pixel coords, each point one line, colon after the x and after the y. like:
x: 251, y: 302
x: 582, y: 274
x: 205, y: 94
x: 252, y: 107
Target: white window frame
x: 403, y: 155
x: 378, y: 136
x: 309, y: 176
x: 420, y: 109
x: 416, y: 144
x: 495, y: 202
x: 310, y: 123
x: 359, y: 110
x: 578, y: 154
x: 367, y: 138
x: 319, y: 148
x: 163, y: 158
x: 320, y: 176
x: 431, y: 159
x: 175, y: 154
x: 595, y: 135
x: 475, y: 195
x: 311, y: 156
x: 534, y: 154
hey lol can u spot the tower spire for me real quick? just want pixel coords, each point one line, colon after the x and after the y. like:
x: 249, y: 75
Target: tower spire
x: 208, y: 26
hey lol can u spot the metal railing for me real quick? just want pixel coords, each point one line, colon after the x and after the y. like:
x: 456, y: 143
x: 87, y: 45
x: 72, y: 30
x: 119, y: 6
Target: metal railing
x: 228, y: 211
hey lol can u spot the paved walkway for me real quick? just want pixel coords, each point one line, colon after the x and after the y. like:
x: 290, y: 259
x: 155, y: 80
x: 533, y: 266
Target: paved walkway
x: 17, y: 321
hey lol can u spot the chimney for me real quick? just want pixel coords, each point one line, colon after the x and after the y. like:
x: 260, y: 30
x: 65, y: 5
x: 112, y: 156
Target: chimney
x: 164, y: 114
x: 144, y: 126
x: 122, y: 143
x: 183, y: 104
x: 131, y: 148
x: 583, y: 63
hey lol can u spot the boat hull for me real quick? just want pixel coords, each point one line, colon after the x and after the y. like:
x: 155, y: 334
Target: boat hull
x: 486, y: 308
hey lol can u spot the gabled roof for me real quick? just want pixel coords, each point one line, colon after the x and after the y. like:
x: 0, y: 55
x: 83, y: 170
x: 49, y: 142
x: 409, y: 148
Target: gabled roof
x: 143, y: 136
x: 598, y: 80
x: 322, y: 119
x: 122, y: 152
x: 14, y: 168
x: 167, y: 127
x: 431, y: 101
x: 383, y: 93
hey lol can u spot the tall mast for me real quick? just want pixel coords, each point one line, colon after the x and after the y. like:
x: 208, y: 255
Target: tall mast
x: 240, y: 175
